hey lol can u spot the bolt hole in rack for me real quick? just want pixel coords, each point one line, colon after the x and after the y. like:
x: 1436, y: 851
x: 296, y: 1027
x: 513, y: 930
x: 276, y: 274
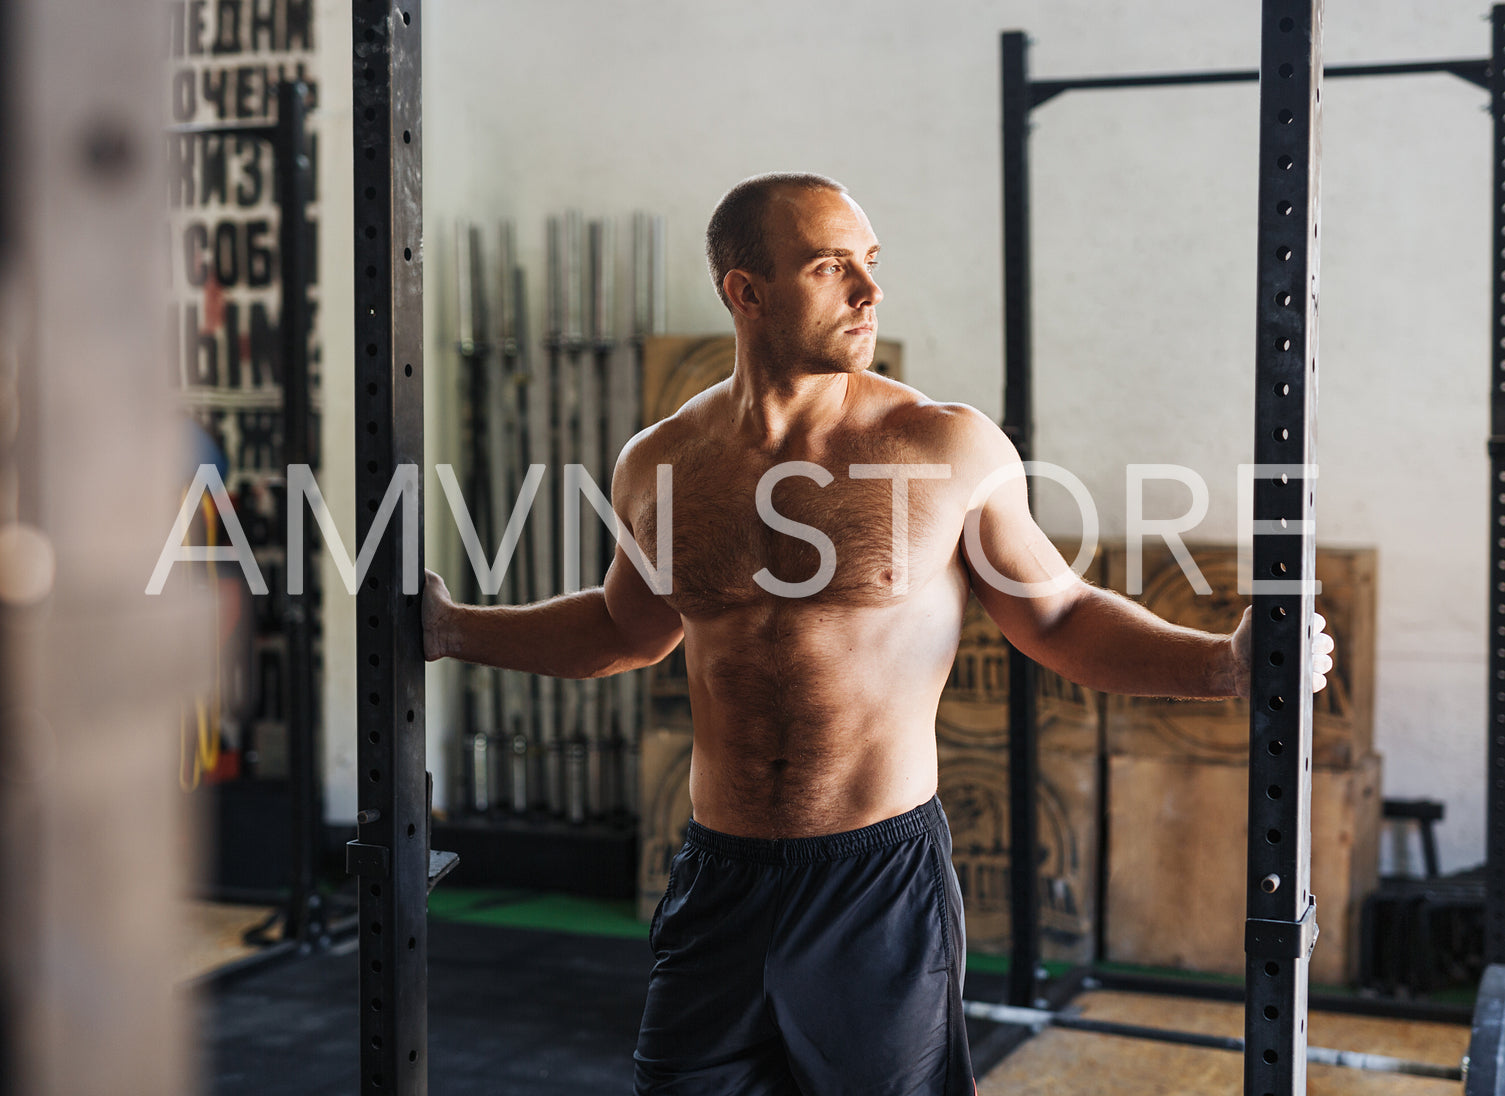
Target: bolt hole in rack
x: 1281, y: 925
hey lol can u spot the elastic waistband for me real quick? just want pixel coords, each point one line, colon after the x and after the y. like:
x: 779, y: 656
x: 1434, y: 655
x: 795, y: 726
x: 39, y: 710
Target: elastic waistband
x: 832, y: 846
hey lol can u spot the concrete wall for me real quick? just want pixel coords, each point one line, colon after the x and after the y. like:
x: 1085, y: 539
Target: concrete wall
x: 1144, y: 265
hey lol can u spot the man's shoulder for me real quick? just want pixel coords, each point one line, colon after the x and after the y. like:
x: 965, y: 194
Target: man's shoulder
x: 664, y: 442
x: 941, y: 428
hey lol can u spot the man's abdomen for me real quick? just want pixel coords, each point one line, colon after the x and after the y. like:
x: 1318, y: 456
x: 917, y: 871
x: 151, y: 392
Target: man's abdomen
x: 810, y: 719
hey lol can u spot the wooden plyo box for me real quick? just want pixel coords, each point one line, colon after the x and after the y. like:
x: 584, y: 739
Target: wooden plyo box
x: 975, y: 793
x: 664, y: 775
x: 972, y: 729
x: 974, y: 708
x: 1177, y: 863
x: 1343, y: 716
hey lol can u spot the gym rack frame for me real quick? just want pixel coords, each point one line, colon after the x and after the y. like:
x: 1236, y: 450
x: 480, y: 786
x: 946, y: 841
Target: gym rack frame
x: 1280, y: 929
x: 391, y: 856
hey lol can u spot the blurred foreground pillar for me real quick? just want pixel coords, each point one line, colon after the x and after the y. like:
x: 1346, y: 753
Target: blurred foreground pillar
x: 93, y: 460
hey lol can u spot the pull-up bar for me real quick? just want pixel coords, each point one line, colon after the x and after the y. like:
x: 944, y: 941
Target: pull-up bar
x: 1040, y: 91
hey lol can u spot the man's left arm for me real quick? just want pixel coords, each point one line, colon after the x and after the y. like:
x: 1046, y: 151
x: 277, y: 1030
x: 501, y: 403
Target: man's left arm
x: 1094, y: 637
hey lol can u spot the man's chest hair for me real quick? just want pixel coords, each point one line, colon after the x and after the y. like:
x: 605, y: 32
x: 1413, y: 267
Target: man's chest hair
x: 721, y: 541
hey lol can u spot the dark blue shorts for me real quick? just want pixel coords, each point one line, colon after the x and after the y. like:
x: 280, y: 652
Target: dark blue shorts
x: 820, y: 966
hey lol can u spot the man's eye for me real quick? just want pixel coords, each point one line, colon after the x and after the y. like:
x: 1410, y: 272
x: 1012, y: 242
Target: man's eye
x: 872, y: 264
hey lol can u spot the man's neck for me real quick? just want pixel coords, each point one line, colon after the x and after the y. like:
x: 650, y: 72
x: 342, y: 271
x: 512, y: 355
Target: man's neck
x: 771, y: 404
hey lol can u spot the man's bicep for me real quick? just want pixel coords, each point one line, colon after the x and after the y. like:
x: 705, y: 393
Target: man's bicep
x: 1018, y: 575
x: 641, y: 616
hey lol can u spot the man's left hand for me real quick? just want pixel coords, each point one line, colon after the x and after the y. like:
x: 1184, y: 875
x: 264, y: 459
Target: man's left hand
x: 1322, y: 653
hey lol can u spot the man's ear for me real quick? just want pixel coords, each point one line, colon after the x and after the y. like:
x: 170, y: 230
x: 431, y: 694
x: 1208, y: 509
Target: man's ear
x: 746, y: 298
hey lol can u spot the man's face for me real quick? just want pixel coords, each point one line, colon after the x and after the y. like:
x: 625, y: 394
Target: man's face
x: 820, y: 309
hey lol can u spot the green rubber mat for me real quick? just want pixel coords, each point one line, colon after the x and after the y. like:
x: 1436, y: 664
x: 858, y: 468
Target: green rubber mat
x: 985, y: 963
x: 536, y: 910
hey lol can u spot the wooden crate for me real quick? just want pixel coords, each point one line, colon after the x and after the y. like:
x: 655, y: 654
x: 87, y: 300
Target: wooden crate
x: 664, y: 778
x: 676, y: 367
x: 974, y: 708
x: 1177, y: 863
x: 975, y: 792
x: 1343, y: 717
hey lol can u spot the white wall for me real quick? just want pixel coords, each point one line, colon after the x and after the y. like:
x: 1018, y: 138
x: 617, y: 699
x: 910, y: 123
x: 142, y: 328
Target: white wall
x: 1144, y: 267
x: 332, y: 122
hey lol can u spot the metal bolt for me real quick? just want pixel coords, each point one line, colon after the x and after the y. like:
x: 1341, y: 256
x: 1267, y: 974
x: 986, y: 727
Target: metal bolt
x: 365, y: 818
x: 1270, y: 884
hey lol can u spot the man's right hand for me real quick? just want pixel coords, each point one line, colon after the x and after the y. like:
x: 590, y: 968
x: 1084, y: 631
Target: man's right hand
x: 437, y: 605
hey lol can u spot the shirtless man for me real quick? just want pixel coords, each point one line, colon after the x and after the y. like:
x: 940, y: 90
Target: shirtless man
x: 810, y: 940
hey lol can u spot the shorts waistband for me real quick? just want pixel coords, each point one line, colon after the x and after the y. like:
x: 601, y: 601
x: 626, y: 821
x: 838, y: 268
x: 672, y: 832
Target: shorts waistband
x: 808, y: 850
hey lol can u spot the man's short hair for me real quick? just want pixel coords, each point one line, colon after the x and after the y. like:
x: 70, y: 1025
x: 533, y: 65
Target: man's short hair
x: 735, y: 238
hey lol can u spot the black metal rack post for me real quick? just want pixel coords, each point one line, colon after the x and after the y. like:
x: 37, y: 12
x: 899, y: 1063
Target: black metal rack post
x: 1282, y: 915
x: 1494, y: 886
x: 1018, y: 423
x: 391, y: 855
x: 305, y: 919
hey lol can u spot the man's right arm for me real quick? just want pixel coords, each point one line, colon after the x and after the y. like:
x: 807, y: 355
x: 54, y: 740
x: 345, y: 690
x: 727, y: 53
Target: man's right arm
x: 621, y: 625
x: 592, y: 633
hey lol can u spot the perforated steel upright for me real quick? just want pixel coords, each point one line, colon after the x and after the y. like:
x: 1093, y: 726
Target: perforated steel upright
x: 392, y: 859
x: 1494, y: 895
x: 1018, y: 423
x: 1281, y: 926
x: 305, y: 914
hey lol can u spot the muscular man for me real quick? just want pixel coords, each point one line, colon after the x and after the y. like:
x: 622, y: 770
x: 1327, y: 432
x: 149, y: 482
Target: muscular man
x: 828, y: 526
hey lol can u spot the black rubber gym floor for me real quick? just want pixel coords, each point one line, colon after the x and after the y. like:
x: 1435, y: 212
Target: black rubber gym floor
x: 518, y: 1011
x: 510, y: 1011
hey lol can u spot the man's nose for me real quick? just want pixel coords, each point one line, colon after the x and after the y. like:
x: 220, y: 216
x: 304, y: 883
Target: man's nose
x: 867, y: 290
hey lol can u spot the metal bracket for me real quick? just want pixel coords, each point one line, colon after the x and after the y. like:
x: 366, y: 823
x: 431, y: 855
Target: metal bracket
x: 1282, y: 939
x: 440, y: 865
x: 1496, y: 445
x: 367, y: 861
